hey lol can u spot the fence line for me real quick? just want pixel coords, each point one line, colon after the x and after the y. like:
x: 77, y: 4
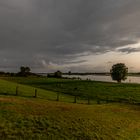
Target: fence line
x: 88, y: 100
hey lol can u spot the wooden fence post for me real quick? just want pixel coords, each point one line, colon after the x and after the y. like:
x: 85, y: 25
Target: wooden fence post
x: 57, y: 96
x: 35, y: 93
x: 98, y: 101
x: 75, y: 99
x: 17, y: 91
x: 88, y: 100
x: 107, y: 99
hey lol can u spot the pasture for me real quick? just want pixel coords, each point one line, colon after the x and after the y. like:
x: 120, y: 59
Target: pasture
x: 33, y: 118
x: 23, y: 116
x: 103, y: 91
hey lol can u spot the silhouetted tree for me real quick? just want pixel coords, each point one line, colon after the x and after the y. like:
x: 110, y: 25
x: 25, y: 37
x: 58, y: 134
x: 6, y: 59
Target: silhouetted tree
x: 58, y: 74
x: 119, y: 72
x: 69, y: 72
x: 24, y: 71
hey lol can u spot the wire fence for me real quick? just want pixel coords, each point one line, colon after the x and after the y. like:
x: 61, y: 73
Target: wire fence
x: 63, y: 97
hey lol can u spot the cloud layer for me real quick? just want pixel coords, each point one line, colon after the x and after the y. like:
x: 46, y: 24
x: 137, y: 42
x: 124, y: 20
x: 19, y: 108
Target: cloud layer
x: 40, y: 33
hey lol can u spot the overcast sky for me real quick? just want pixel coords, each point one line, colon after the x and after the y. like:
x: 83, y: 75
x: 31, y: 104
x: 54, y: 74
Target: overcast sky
x: 76, y: 35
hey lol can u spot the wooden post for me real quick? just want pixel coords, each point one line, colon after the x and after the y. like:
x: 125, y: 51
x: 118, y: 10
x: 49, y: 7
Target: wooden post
x: 88, y: 100
x: 107, y: 99
x: 75, y: 99
x: 17, y: 91
x: 98, y: 101
x: 35, y: 93
x: 57, y: 96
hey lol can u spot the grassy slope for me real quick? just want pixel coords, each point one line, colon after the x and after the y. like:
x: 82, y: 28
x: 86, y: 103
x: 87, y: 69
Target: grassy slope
x: 95, y: 90
x: 9, y: 88
x: 24, y: 117
x: 30, y: 118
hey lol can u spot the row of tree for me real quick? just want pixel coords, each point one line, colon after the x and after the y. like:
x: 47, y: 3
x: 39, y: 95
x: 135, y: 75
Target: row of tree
x: 118, y: 72
x: 24, y: 71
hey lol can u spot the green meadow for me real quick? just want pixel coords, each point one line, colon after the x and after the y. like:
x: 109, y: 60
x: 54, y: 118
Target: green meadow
x: 23, y: 116
x: 103, y: 91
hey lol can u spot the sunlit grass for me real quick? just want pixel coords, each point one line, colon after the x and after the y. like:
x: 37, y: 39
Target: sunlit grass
x: 84, y: 89
x: 9, y: 88
x: 25, y: 118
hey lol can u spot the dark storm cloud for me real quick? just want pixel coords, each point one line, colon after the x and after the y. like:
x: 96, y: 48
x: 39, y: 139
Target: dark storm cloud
x: 129, y: 50
x: 34, y: 31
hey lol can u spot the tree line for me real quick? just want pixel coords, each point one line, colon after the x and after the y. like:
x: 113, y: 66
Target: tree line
x: 118, y: 72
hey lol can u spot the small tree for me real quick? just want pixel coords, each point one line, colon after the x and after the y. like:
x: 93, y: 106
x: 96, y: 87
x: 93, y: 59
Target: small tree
x: 69, y: 72
x: 24, y: 71
x: 58, y: 74
x: 27, y: 69
x: 119, y: 72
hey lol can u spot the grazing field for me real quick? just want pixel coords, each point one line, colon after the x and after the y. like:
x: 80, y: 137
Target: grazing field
x: 9, y: 88
x: 39, y: 119
x: 103, y: 91
x: 23, y: 116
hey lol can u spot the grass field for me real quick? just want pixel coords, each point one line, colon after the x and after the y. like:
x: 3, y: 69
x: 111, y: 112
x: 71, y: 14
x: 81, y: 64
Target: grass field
x: 83, y: 89
x: 43, y: 118
x: 9, y: 88
x: 30, y: 118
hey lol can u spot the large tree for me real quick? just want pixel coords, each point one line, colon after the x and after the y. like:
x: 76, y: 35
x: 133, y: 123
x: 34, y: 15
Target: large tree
x: 24, y: 71
x: 58, y: 74
x: 119, y: 72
